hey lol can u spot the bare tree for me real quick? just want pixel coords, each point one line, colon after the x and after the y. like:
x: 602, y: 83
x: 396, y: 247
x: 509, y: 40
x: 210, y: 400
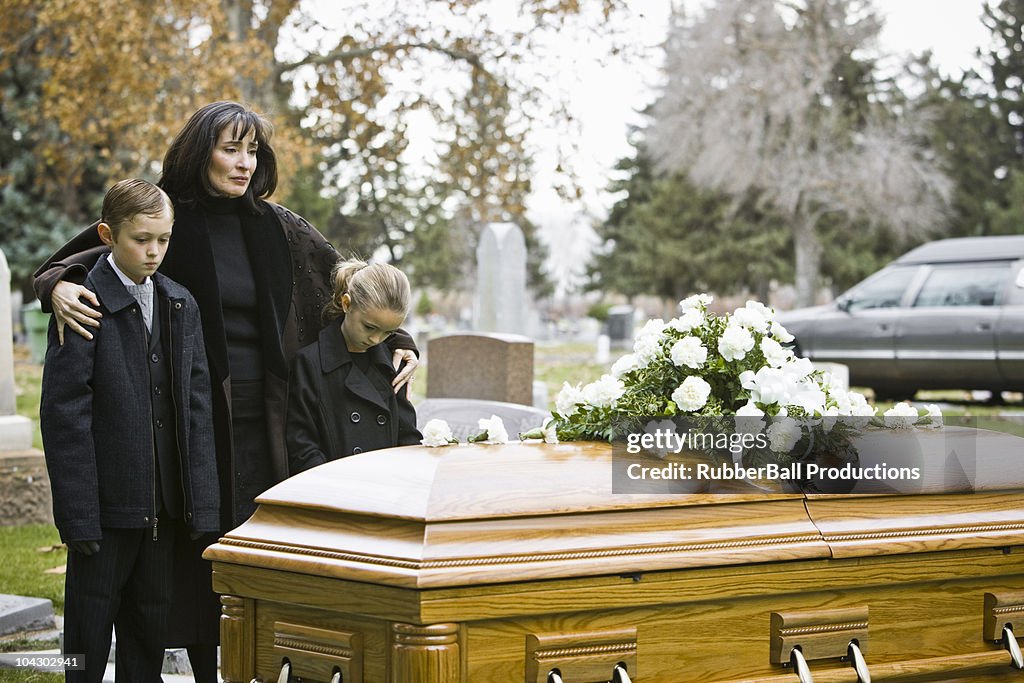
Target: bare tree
x: 758, y: 101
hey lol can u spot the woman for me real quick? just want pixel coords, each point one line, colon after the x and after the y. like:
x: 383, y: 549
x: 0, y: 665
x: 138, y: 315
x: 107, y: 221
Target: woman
x: 260, y: 274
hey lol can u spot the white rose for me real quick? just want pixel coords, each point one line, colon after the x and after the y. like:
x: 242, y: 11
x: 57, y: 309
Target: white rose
x: 568, y: 399
x: 494, y: 427
x: 437, y: 433
x: 735, y: 342
x: 689, y: 351
x: 901, y: 416
x: 692, y: 394
x: 783, y: 435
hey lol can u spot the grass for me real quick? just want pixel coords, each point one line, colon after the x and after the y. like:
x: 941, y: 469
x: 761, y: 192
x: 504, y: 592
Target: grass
x: 23, y: 676
x: 29, y: 551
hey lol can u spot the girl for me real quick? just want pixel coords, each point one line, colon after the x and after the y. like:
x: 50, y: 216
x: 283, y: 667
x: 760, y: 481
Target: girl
x: 340, y: 396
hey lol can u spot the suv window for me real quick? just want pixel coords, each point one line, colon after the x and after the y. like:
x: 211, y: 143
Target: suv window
x: 976, y: 284
x: 885, y: 290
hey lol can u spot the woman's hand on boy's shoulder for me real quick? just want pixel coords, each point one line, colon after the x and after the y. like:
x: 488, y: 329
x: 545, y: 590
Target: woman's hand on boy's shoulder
x: 70, y: 310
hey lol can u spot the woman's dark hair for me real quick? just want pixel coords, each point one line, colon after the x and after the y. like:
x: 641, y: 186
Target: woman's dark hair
x: 185, y: 173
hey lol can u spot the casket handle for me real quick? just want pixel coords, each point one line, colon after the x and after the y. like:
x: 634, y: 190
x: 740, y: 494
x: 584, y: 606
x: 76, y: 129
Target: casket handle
x: 1011, y: 644
x: 555, y: 676
x: 286, y: 672
x: 619, y: 674
x: 799, y: 664
x: 336, y: 676
x: 857, y: 660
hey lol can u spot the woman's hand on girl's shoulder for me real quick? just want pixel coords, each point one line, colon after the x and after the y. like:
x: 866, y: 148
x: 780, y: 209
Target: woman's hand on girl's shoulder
x: 405, y: 362
x: 69, y: 309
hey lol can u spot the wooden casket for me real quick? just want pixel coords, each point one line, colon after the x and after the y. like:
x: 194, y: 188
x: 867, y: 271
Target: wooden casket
x: 505, y: 563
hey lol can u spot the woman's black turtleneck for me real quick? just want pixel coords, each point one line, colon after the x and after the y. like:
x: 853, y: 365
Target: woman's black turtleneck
x: 237, y: 287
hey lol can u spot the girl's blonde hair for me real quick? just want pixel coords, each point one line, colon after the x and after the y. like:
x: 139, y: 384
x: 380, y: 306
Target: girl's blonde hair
x: 378, y: 285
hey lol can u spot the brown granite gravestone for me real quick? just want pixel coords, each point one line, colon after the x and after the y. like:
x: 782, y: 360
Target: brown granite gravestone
x: 487, y: 366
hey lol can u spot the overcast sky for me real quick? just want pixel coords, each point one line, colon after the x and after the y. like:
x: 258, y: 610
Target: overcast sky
x: 606, y: 99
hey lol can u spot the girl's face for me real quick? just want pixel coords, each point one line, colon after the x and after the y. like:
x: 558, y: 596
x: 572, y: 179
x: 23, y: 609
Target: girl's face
x: 233, y: 162
x: 363, y: 328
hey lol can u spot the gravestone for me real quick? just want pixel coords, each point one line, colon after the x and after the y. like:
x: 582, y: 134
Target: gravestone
x: 463, y: 415
x: 24, y: 484
x: 620, y: 326
x: 15, y: 430
x: 500, y: 302
x: 489, y: 367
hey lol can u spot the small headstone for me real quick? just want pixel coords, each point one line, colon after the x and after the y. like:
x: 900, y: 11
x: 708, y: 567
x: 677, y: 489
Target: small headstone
x: 15, y: 430
x: 500, y: 304
x: 489, y: 367
x: 18, y: 613
x: 620, y: 326
x: 463, y: 415
x: 6, y: 340
x: 604, y: 347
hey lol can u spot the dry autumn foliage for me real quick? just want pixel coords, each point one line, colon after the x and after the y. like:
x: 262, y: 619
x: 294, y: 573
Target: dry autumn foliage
x: 119, y: 78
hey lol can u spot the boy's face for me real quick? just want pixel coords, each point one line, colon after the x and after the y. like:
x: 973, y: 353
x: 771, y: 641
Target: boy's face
x: 140, y: 245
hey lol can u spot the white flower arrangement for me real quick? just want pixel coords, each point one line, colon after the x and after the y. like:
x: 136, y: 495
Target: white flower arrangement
x: 705, y: 365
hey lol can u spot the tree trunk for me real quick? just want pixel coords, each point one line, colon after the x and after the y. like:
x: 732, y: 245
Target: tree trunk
x: 808, y: 258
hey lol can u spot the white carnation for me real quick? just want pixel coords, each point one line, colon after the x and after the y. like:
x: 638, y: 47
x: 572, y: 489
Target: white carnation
x: 754, y: 315
x: 901, y: 416
x: 695, y: 301
x: 692, y: 394
x: 735, y: 342
x: 495, y: 429
x: 774, y: 353
x: 626, y: 363
x: 568, y: 400
x: 689, y: 351
x: 781, y: 333
x: 689, y: 320
x: 783, y: 435
x: 437, y: 433
x: 645, y: 349
x: 604, y: 392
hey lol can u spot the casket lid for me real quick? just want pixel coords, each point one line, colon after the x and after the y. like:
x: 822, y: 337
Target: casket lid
x: 480, y: 481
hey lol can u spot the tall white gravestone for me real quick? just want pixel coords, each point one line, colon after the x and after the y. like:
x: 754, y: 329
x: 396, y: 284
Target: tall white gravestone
x: 500, y: 304
x: 15, y: 430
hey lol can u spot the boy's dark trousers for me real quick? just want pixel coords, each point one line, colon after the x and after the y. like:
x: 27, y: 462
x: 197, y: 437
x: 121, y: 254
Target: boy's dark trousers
x: 127, y: 585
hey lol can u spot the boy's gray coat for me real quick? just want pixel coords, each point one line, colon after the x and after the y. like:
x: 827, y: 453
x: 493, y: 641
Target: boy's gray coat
x: 95, y: 414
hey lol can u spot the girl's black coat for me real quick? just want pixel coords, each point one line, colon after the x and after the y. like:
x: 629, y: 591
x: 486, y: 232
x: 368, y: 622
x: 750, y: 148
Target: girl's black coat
x: 335, y: 411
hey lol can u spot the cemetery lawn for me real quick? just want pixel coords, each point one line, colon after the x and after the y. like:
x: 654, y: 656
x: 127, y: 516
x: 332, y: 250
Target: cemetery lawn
x: 22, y: 676
x: 28, y: 552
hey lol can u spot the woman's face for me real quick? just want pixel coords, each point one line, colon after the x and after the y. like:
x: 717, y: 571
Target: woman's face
x: 233, y: 162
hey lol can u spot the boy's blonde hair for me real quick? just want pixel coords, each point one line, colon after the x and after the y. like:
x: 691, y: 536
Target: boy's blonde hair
x: 131, y: 197
x: 378, y: 285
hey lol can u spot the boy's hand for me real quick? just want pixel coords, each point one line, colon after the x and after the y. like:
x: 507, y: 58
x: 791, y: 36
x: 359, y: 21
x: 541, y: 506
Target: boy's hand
x: 84, y: 547
x: 69, y: 308
x: 405, y: 374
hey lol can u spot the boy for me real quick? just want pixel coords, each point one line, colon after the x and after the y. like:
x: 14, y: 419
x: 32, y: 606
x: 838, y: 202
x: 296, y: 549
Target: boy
x: 128, y: 435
